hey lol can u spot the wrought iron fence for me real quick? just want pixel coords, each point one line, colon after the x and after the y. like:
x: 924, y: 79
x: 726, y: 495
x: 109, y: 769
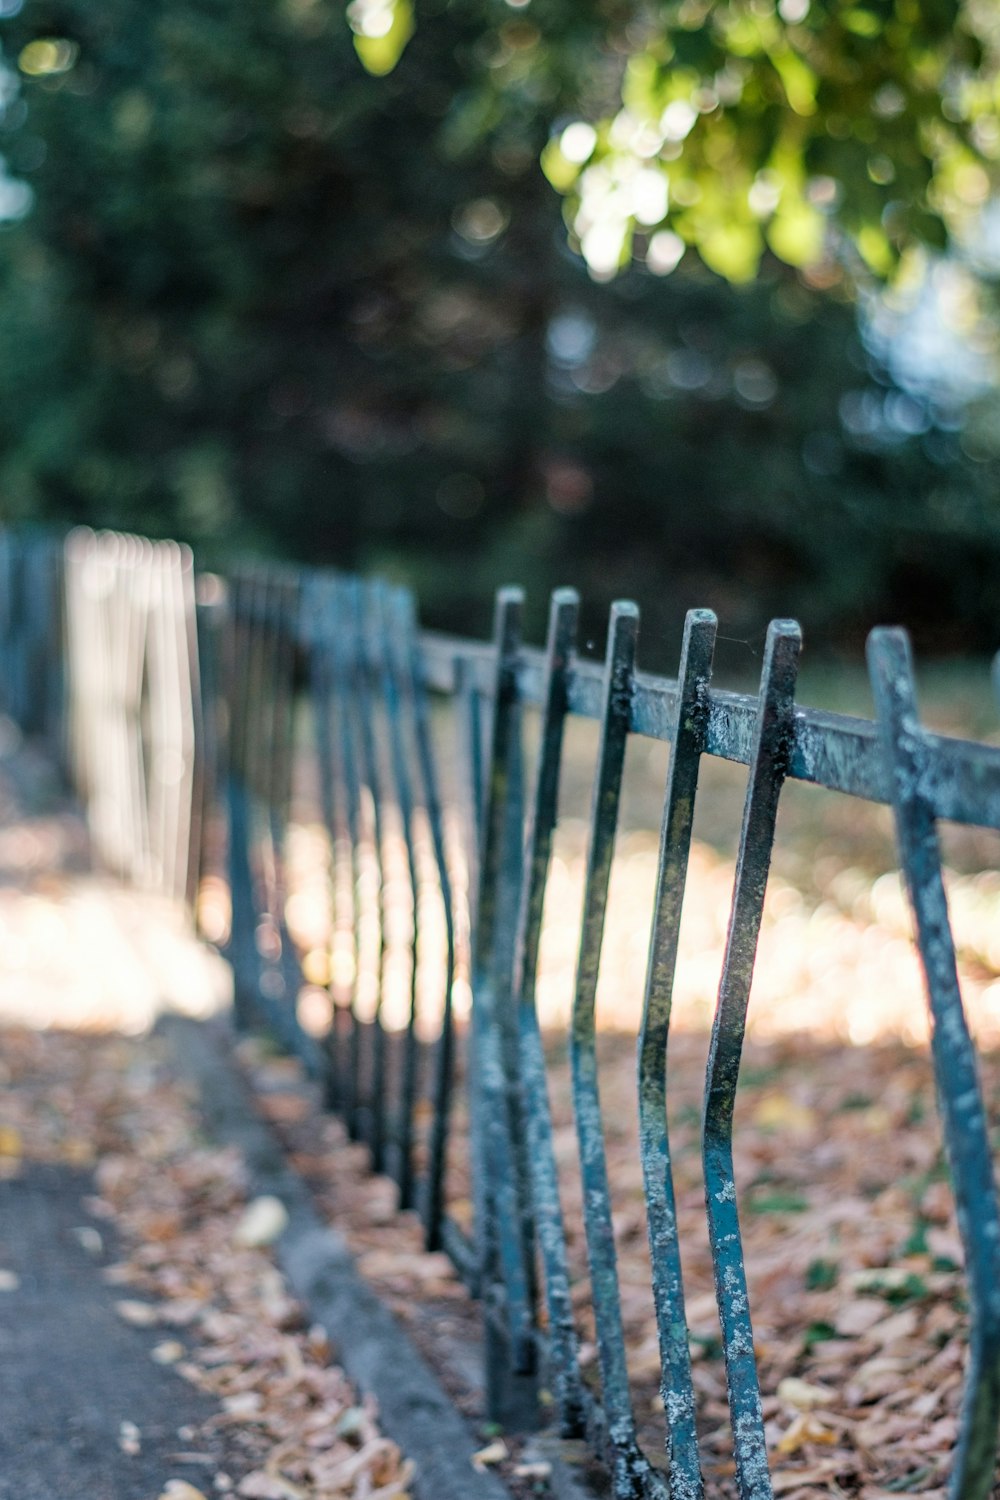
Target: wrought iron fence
x: 283, y: 648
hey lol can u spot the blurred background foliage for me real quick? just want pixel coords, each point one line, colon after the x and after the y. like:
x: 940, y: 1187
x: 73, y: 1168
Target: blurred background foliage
x: 281, y: 276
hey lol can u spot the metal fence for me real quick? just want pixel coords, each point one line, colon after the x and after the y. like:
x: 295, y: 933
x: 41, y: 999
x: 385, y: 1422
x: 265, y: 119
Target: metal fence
x: 285, y: 649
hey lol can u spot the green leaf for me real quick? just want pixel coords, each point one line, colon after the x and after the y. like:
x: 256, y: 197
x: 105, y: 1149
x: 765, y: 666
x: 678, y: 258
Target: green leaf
x: 796, y: 234
x: 798, y: 79
x: 733, y: 250
x: 874, y: 249
x: 381, y: 29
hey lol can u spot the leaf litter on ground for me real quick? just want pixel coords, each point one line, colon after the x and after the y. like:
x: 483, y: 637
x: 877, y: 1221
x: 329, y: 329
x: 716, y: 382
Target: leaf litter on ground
x: 196, y: 1263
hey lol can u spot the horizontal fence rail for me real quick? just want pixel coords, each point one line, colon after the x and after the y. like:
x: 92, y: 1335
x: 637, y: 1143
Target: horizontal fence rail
x: 277, y: 664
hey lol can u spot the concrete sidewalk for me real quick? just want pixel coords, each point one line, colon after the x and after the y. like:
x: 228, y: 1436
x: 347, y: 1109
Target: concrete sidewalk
x: 76, y: 1382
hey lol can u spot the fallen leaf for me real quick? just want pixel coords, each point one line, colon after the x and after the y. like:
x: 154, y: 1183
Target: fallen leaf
x: 139, y: 1314
x: 793, y: 1479
x: 243, y: 1404
x: 493, y: 1453
x: 800, y: 1394
x: 779, y: 1111
x: 259, y: 1485
x: 167, y: 1353
x: 805, y: 1429
x: 858, y: 1316
x: 129, y: 1438
x: 263, y: 1221
x: 89, y: 1238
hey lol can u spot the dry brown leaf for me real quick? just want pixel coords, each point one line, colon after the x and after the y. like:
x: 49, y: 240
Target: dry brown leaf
x: 259, y: 1485
x: 800, y: 1394
x: 859, y: 1315
x: 263, y: 1221
x: 129, y: 1438
x: 493, y: 1453
x: 167, y: 1353
x: 536, y: 1469
x: 792, y: 1479
x: 139, y: 1314
x: 805, y: 1429
x: 780, y: 1111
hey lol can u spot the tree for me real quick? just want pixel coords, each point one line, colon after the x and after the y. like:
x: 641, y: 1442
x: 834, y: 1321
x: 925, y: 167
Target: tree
x: 265, y: 300
x: 807, y: 127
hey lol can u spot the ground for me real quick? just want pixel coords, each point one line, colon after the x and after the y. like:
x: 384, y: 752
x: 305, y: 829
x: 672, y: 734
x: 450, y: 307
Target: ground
x: 852, y: 1254
x: 149, y: 1345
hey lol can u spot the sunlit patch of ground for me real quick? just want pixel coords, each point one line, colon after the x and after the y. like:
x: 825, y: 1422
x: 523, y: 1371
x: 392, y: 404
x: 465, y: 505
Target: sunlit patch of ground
x: 77, y: 949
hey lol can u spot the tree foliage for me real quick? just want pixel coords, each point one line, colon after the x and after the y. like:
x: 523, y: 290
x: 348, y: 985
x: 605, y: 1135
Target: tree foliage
x: 812, y: 128
x: 265, y: 298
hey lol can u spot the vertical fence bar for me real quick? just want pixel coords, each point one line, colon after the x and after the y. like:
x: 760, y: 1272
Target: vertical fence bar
x: 409, y: 667
x: 313, y: 620
x: 341, y: 636
x: 365, y: 658
x: 387, y: 622
x: 263, y: 748
x: 768, y: 767
x: 631, y: 1473
x: 236, y: 686
x: 287, y: 609
x: 210, y: 617
x: 966, y: 1132
x: 687, y: 747
x: 500, y: 1207
x: 542, y: 810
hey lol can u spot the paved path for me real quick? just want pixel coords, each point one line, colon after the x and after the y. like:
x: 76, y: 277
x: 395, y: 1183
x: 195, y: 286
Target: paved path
x: 71, y: 1371
x: 79, y: 949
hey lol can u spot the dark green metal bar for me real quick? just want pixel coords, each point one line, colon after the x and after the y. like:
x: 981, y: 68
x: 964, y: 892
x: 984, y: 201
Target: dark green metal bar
x: 688, y: 744
x: 966, y: 1131
x: 415, y: 698
x: 242, y: 945
x: 361, y: 700
x: 562, y: 1355
x: 288, y: 605
x: 268, y: 784
x: 339, y: 624
x: 313, y: 622
x: 387, y: 621
x: 507, y: 1278
x: 768, y: 768
x: 631, y: 1473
